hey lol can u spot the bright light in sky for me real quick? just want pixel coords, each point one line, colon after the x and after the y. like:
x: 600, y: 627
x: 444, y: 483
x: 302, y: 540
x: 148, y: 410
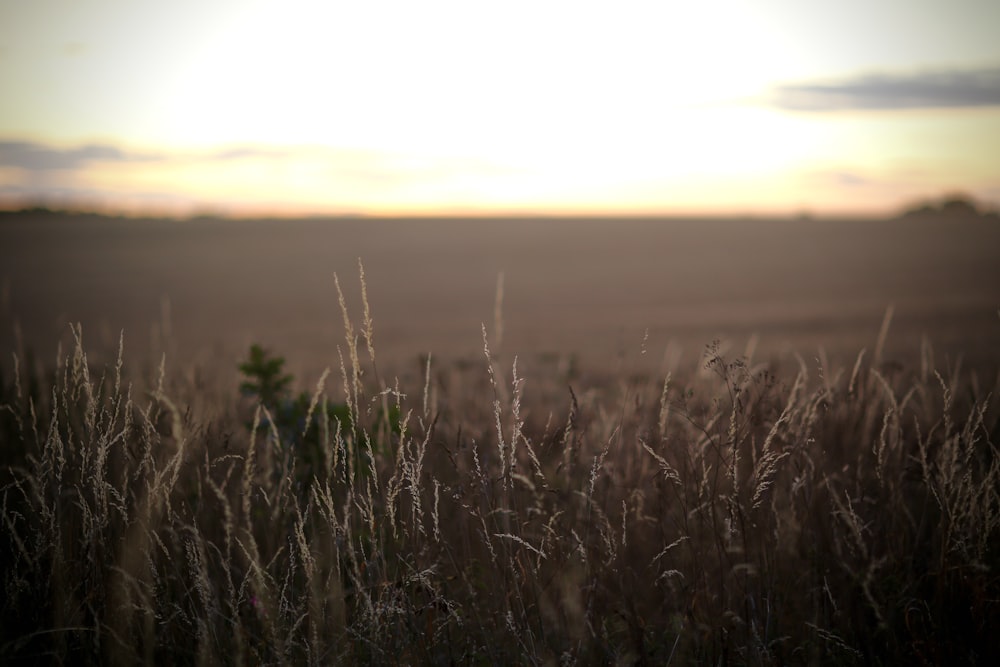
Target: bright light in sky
x: 721, y: 106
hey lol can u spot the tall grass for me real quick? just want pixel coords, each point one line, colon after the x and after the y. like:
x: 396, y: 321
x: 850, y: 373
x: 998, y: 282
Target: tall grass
x: 728, y: 514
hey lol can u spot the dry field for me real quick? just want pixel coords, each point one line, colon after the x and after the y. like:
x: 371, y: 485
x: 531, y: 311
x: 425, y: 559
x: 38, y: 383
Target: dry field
x: 590, y: 288
x: 821, y: 487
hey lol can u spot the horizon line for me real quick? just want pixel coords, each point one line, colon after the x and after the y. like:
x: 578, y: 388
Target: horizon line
x: 923, y: 207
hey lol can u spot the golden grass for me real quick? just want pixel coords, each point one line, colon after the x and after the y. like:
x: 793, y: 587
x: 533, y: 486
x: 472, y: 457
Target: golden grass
x: 720, y: 515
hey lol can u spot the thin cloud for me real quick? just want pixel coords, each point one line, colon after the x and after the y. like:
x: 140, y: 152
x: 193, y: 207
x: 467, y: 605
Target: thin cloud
x: 247, y: 152
x: 65, y: 196
x: 53, y: 174
x: 32, y: 156
x: 849, y: 179
x: 935, y: 89
x: 39, y: 157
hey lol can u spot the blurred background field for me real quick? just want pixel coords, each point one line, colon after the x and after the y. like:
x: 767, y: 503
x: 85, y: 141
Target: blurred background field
x: 674, y: 504
x: 588, y: 293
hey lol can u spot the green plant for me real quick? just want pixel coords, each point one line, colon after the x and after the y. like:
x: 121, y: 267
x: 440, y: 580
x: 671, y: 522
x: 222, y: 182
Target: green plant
x: 264, y: 376
x: 302, y: 421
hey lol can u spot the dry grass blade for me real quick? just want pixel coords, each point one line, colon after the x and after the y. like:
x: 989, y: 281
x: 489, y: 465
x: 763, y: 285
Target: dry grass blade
x: 697, y: 521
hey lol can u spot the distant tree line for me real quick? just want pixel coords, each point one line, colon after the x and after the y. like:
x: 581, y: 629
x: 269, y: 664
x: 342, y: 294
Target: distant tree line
x: 956, y: 206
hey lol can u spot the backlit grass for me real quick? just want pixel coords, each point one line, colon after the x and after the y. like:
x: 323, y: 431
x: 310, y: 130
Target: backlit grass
x: 731, y: 513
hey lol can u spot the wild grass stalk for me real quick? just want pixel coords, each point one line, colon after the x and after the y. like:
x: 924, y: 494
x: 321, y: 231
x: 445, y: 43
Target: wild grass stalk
x: 729, y: 513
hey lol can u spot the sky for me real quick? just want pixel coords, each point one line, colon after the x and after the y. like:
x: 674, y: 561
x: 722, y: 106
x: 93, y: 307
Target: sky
x: 439, y: 106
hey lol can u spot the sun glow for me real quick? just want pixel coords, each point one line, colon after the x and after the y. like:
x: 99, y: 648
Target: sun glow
x: 553, y: 106
x: 450, y: 80
x: 526, y: 106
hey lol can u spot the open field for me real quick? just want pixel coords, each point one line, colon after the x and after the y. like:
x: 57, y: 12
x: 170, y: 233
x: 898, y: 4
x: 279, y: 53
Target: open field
x: 676, y: 506
x: 586, y: 287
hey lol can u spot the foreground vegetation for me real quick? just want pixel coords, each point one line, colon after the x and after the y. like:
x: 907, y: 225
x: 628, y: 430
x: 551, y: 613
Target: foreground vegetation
x: 732, y: 514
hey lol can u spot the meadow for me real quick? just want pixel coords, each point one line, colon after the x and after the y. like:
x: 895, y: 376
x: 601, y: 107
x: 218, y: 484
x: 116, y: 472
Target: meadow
x: 204, y: 290
x: 423, y: 464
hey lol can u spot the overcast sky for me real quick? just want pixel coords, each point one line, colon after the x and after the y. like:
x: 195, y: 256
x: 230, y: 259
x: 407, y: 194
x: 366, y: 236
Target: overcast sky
x: 719, y: 106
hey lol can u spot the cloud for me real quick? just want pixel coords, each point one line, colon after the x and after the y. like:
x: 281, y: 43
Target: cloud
x: 32, y: 156
x: 39, y: 157
x: 849, y: 179
x: 932, y: 89
x: 58, y: 195
x: 247, y: 152
x: 237, y: 175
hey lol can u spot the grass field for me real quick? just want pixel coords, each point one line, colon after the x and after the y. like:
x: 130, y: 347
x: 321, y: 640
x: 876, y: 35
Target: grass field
x: 588, y: 287
x: 520, y: 496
